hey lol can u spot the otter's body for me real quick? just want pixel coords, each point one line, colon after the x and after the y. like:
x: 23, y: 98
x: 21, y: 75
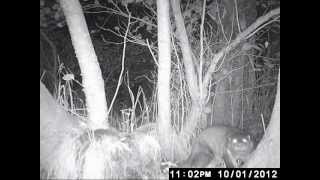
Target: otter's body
x: 220, y: 143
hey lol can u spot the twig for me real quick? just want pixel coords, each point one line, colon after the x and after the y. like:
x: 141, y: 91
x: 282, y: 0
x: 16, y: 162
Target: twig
x: 122, y: 65
x: 201, y: 47
x: 112, y: 11
x: 222, y: 28
x: 237, y: 15
x: 263, y: 124
x: 151, y: 52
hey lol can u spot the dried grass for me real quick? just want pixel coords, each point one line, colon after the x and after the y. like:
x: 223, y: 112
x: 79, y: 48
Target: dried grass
x: 136, y: 155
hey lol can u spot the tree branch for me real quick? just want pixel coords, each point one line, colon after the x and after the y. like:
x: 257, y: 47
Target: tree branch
x: 87, y: 9
x: 258, y: 24
x: 122, y: 66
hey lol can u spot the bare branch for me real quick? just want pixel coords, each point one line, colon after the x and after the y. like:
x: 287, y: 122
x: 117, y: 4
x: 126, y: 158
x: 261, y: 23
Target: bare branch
x: 122, y: 65
x: 260, y: 22
x: 201, y: 47
x: 237, y: 15
x: 113, y: 11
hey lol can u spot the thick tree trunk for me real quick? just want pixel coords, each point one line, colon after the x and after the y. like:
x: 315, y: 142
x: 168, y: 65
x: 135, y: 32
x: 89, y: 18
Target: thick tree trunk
x: 267, y: 153
x: 164, y: 72
x: 55, y: 126
x: 228, y: 107
x: 92, y: 80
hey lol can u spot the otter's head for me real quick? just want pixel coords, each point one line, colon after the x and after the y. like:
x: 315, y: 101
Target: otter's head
x: 238, y: 148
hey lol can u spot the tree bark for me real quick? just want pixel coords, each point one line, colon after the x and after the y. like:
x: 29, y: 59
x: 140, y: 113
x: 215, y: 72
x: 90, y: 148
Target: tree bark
x: 55, y: 125
x: 228, y: 107
x: 164, y: 72
x: 267, y: 153
x: 194, y: 114
x: 181, y: 32
x: 92, y: 80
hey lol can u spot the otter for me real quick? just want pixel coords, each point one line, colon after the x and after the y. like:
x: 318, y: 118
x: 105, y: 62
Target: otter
x: 97, y: 135
x: 231, y: 145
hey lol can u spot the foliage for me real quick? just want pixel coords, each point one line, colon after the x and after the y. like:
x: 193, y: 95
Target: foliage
x: 51, y: 15
x: 107, y: 23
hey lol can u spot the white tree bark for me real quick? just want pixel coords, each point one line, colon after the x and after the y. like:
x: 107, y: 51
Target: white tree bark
x: 267, y: 153
x: 181, y: 32
x: 91, y: 74
x: 164, y: 70
x: 56, y: 127
x: 190, y: 72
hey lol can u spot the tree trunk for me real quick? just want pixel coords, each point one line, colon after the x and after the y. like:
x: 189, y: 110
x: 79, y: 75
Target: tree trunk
x: 92, y: 80
x: 164, y: 72
x: 191, y: 76
x: 267, y: 153
x: 181, y: 32
x: 228, y: 108
x: 55, y: 126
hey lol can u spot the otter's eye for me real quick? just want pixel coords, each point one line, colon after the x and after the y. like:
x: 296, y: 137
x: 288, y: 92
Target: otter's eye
x: 234, y: 141
x: 244, y: 140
